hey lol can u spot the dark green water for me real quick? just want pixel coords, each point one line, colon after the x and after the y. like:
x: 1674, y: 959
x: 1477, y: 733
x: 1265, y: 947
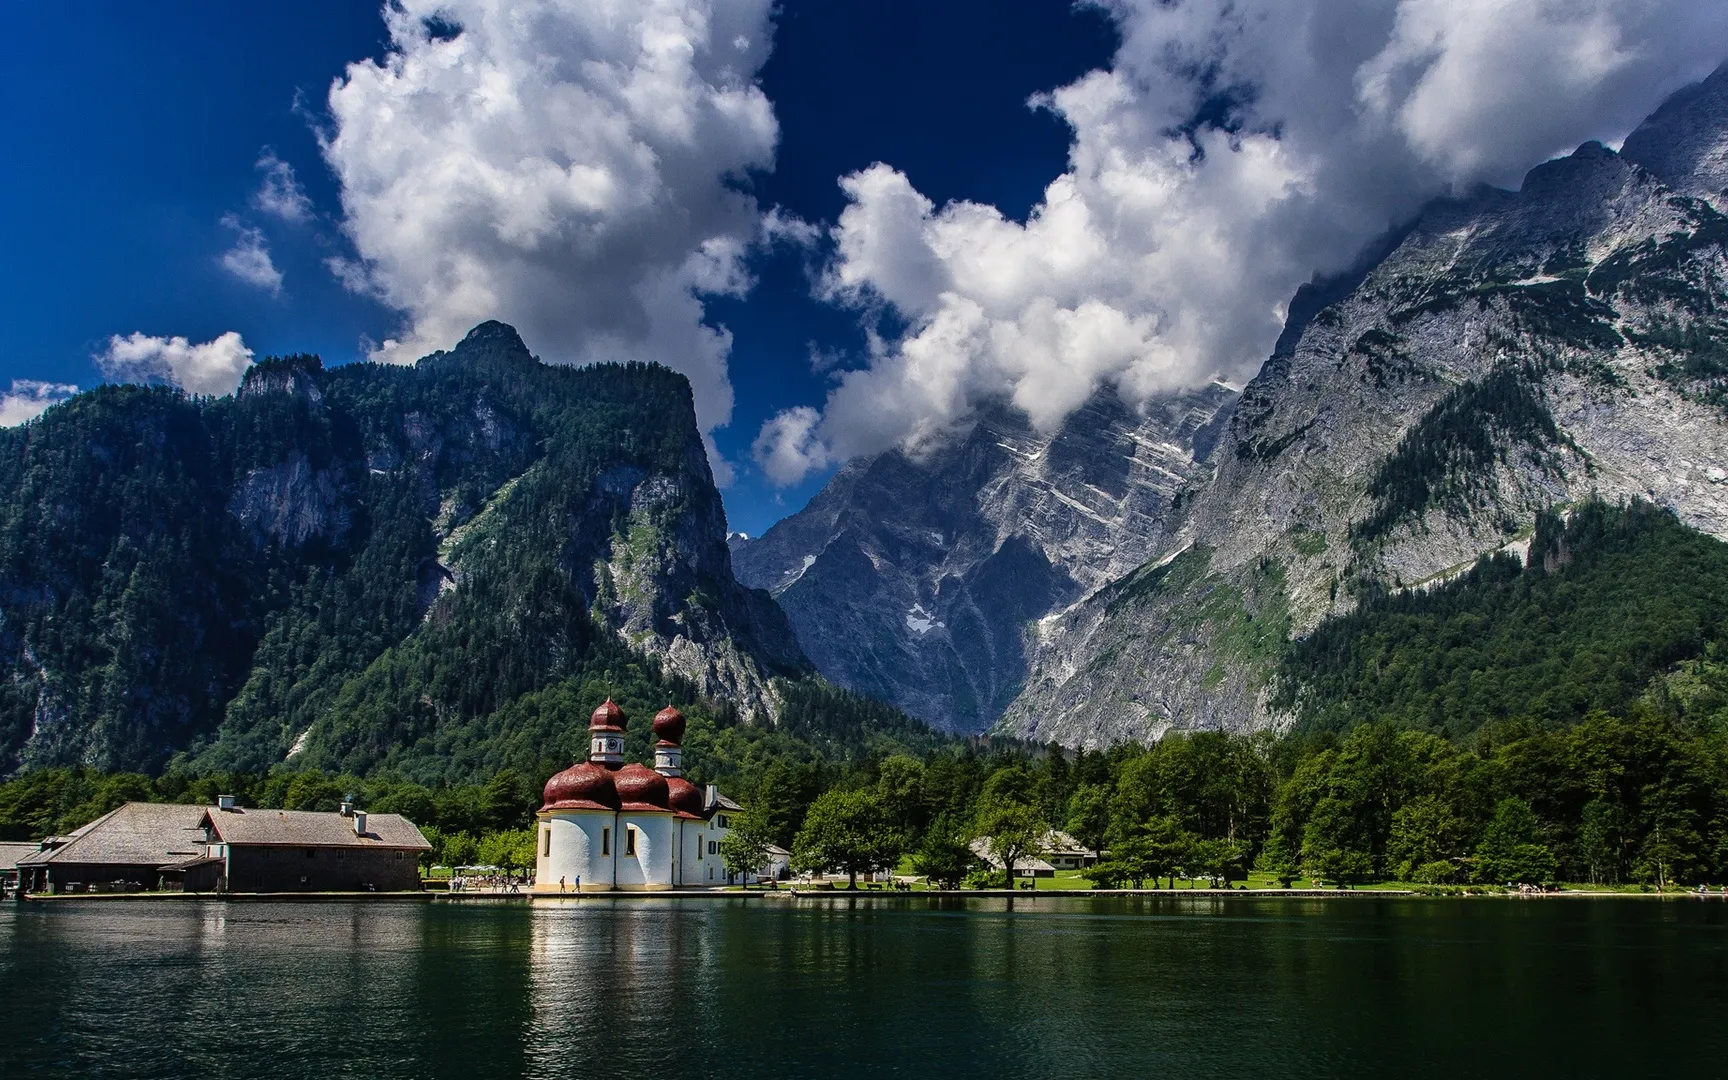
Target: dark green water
x: 1054, y: 988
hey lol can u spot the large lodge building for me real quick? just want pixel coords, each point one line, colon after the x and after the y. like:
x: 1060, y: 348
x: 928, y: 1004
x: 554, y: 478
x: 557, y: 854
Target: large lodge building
x: 607, y: 825
x: 224, y: 848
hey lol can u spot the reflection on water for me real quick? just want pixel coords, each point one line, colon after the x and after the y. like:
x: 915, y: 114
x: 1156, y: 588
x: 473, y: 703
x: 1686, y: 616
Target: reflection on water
x: 668, y: 988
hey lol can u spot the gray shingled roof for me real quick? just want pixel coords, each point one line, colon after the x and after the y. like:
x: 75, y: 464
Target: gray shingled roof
x: 10, y: 853
x: 137, y: 834
x: 307, y: 828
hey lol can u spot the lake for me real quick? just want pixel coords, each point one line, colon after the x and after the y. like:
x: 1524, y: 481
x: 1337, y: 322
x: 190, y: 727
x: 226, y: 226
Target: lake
x: 1053, y: 987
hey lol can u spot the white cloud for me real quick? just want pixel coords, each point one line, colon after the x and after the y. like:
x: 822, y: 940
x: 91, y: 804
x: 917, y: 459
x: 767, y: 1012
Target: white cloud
x: 214, y: 368
x: 1165, y: 253
x: 280, y: 193
x: 29, y: 398
x: 787, y: 449
x: 567, y: 166
x: 249, y: 258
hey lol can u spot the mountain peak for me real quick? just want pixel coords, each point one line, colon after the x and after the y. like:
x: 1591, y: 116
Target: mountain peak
x: 1685, y: 142
x: 298, y: 374
x: 492, y: 336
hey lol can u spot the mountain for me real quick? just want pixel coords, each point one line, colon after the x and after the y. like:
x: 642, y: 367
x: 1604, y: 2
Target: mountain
x: 1614, y: 608
x: 913, y: 578
x: 1516, y: 351
x: 359, y: 566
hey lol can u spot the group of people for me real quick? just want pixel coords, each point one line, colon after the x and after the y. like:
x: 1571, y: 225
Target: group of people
x: 499, y: 883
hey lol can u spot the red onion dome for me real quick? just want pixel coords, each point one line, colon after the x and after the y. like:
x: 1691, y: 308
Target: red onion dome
x: 683, y: 796
x: 608, y: 715
x: 584, y: 786
x: 640, y: 788
x: 669, y: 725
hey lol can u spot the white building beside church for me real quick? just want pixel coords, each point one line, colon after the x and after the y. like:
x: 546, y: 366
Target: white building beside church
x: 608, y: 826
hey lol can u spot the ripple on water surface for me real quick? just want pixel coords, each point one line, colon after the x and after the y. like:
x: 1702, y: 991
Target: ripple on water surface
x: 913, y: 987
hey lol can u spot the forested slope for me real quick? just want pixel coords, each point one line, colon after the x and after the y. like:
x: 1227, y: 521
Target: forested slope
x: 1610, y: 606
x: 362, y: 566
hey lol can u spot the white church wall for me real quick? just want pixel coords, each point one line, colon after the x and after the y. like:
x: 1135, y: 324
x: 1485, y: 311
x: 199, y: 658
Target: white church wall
x: 578, y: 846
x: 693, y: 863
x: 650, y: 866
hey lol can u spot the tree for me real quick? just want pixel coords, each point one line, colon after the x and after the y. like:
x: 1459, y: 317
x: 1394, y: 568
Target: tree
x: 1089, y: 815
x: 944, y: 857
x: 847, y: 830
x: 744, y: 848
x: 1511, y: 849
x: 1599, y: 842
x: 1009, y: 820
x: 507, y: 801
x: 1670, y: 847
x: 410, y: 800
x: 900, y: 781
x: 429, y: 857
x: 1425, y: 830
x: 509, y: 849
x: 460, y: 849
x: 1167, y: 846
x: 782, y: 793
x: 1219, y: 861
x: 1149, y: 850
x: 1340, y: 866
x: 1333, y: 845
x: 1277, y: 859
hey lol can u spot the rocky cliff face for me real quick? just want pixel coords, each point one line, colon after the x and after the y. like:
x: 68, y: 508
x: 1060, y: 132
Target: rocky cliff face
x: 913, y: 579
x: 662, y: 582
x: 333, y: 564
x: 1515, y: 351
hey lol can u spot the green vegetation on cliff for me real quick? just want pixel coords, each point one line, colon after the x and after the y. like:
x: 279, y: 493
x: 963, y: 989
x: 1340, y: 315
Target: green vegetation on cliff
x: 366, y: 567
x: 1604, y: 606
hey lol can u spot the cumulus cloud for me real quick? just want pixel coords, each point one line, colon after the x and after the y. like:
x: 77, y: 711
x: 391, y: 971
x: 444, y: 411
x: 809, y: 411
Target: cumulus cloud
x: 787, y: 448
x: 249, y: 258
x: 214, y: 367
x: 280, y: 193
x: 1233, y: 149
x: 567, y: 166
x: 29, y: 398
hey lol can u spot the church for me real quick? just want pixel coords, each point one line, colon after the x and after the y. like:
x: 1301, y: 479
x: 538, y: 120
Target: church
x: 607, y: 825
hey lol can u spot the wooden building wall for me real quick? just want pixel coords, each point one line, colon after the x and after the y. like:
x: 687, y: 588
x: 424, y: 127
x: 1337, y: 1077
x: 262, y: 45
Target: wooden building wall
x: 320, y: 869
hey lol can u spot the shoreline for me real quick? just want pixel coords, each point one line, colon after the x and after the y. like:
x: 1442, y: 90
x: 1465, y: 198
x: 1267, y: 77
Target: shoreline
x: 793, y: 895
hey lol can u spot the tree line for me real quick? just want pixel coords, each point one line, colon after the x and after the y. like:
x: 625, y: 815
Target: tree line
x: 1613, y: 800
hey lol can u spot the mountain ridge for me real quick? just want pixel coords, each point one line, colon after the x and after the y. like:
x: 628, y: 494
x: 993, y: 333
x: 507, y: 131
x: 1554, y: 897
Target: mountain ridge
x: 334, y: 563
x: 912, y: 577
x: 1503, y: 353
x: 1516, y: 351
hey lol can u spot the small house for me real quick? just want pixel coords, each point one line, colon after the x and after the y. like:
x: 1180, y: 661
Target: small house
x: 1026, y: 866
x: 778, y: 866
x: 1066, y: 853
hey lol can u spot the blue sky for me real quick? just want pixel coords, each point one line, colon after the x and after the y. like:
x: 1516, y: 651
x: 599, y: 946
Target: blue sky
x: 897, y: 211
x: 143, y: 131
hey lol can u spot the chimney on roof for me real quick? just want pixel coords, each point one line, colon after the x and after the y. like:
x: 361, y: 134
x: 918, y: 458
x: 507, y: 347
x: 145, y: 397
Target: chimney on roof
x: 347, y: 808
x: 710, y: 796
x: 359, y: 823
x: 224, y: 802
